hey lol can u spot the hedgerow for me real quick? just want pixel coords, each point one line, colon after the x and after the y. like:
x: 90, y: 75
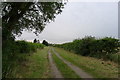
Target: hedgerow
x: 26, y: 47
x: 90, y: 46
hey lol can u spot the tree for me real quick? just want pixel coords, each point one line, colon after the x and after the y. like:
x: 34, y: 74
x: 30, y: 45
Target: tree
x: 35, y: 41
x: 38, y: 41
x: 33, y: 16
x: 45, y: 42
x: 17, y: 16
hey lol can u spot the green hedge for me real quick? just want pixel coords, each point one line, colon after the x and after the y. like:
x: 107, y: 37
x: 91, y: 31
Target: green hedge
x: 26, y: 47
x: 90, y: 46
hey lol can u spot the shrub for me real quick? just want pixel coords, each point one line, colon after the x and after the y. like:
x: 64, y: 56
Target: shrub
x: 89, y: 46
x: 26, y: 47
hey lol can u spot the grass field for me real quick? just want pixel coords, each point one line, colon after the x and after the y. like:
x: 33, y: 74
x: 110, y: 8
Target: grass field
x: 96, y: 67
x: 66, y: 71
x: 35, y: 66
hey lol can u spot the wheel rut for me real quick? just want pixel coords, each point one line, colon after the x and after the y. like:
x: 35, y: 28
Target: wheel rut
x: 76, y: 69
x: 54, y: 70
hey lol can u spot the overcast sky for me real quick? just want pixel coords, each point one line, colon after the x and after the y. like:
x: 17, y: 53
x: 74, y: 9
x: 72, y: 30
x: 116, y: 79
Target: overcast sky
x: 79, y: 19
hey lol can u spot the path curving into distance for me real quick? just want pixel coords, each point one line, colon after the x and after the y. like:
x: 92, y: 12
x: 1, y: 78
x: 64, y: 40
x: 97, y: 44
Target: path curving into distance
x: 54, y: 70
x: 76, y: 69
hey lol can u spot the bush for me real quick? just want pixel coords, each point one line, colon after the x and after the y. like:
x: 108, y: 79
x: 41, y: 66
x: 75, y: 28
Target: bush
x: 27, y: 47
x: 89, y: 46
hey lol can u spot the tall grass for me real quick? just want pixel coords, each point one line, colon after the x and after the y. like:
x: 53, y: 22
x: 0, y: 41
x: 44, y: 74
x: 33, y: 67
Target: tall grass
x: 16, y: 51
x: 114, y: 57
x: 98, y: 68
x: 35, y: 66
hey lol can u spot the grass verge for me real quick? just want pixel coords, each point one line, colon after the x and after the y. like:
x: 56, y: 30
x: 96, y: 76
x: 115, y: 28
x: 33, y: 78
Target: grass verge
x: 35, y: 66
x: 64, y: 69
x: 96, y: 67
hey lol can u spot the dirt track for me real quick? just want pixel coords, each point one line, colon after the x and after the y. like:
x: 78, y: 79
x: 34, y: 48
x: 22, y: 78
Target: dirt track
x: 76, y: 69
x: 54, y: 70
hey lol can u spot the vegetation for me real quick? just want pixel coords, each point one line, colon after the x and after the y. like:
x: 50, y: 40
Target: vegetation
x: 89, y: 46
x: 33, y: 65
x: 28, y: 15
x: 96, y: 67
x: 16, y: 51
x: 66, y: 71
x: 33, y: 16
x: 26, y: 47
x: 45, y: 42
x: 17, y: 16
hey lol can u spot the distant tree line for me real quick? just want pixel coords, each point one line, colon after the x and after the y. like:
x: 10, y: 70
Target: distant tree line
x: 36, y: 41
x: 90, y: 46
x: 45, y: 43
